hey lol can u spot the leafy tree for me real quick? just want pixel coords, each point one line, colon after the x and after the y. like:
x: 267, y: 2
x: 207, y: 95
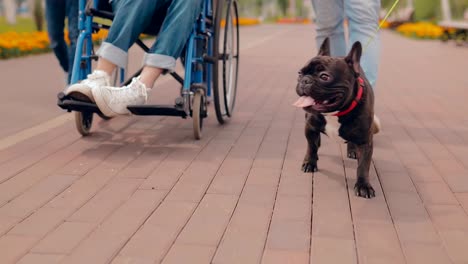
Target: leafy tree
x: 38, y: 15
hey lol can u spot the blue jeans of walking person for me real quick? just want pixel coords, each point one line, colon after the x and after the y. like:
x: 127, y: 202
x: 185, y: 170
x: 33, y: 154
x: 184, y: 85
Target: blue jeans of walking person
x: 363, y: 18
x: 56, y: 13
x: 171, y: 20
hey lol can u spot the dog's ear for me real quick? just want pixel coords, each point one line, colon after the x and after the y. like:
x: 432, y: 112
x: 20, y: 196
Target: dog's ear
x: 354, y: 57
x: 325, y: 48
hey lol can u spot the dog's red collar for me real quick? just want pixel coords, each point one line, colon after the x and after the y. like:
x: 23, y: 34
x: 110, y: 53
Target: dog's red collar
x: 355, y: 101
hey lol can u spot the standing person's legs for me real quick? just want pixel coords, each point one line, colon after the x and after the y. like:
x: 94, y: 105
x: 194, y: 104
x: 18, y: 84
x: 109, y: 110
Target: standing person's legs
x: 55, y: 16
x: 73, y: 32
x: 363, y: 18
x: 175, y: 31
x: 329, y: 23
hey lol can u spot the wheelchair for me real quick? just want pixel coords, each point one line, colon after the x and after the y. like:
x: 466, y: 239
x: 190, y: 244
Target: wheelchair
x: 210, y: 59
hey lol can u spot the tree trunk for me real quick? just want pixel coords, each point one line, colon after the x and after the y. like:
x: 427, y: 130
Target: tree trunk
x: 38, y: 14
x: 10, y: 11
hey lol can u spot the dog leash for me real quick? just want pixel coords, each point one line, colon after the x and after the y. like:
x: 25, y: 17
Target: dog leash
x: 381, y: 23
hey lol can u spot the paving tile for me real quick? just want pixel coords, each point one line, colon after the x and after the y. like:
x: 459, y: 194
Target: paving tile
x: 288, y: 235
x: 406, y: 206
x: 154, y: 239
x: 424, y: 174
x: 294, y: 208
x: 463, y: 199
x: 187, y: 253
x: 207, y: 224
x: 259, y: 195
x: 95, y: 210
x: 11, y: 168
x: 33, y: 143
x: 41, y: 222
x: 448, y: 217
x: 378, y: 243
x: 245, y: 235
x: 263, y: 176
x: 455, y: 242
x: 63, y: 239
x: 7, y: 222
x: 89, y: 159
x: 423, y: 253
x: 436, y: 193
x: 418, y: 231
x: 145, y: 163
x: 34, y: 174
x: 295, y: 184
x: 12, y: 248
x: 396, y: 181
x: 332, y: 250
x: 453, y: 173
x: 32, y: 258
x: 112, y: 234
x: 285, y: 257
x: 34, y: 198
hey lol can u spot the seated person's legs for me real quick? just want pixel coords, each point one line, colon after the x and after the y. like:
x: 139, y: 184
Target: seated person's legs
x: 132, y: 17
x: 174, y: 33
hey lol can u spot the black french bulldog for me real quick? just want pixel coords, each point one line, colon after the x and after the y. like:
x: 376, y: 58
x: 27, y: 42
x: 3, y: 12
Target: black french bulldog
x: 337, y: 86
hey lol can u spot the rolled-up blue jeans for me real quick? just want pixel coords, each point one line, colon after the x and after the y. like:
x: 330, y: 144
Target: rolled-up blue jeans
x: 363, y: 18
x: 171, y: 20
x: 56, y: 12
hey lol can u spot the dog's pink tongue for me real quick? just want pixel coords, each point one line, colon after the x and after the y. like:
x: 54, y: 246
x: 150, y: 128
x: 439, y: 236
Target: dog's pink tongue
x: 304, y: 101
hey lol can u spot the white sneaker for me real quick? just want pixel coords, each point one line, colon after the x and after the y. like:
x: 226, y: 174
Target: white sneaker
x: 113, y: 101
x: 83, y: 90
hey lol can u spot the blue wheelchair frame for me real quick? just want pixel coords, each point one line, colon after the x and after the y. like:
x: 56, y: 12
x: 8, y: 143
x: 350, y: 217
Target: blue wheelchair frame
x: 202, y: 60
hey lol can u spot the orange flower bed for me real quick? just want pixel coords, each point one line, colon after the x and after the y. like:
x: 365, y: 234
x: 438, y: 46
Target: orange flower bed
x: 421, y: 30
x: 244, y: 21
x: 14, y: 44
x: 294, y: 20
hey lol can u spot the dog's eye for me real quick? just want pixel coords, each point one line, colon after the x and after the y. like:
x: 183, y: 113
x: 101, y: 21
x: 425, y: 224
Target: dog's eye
x: 324, y: 77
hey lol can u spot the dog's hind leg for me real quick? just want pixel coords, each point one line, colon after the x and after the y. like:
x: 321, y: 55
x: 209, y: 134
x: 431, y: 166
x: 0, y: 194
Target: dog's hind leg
x: 314, y: 125
x: 363, y: 188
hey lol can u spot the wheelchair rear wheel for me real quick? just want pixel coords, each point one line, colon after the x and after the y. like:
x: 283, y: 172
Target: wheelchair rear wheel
x: 226, y: 50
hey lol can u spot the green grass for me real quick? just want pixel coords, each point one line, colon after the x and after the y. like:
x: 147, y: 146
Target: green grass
x: 22, y: 25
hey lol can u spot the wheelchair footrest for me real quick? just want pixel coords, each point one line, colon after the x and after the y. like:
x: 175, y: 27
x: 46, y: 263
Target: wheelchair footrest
x: 157, y: 110
x: 71, y: 104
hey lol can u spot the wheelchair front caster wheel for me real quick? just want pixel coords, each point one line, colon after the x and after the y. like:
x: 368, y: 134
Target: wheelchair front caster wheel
x: 83, y: 122
x: 198, y: 113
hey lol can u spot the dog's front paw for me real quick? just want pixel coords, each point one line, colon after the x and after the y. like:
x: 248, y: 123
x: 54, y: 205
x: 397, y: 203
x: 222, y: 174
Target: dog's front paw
x: 351, y: 150
x: 309, y: 166
x: 352, y: 154
x: 364, y: 189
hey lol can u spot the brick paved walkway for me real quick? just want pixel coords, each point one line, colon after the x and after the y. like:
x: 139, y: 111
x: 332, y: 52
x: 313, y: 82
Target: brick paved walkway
x: 141, y: 190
